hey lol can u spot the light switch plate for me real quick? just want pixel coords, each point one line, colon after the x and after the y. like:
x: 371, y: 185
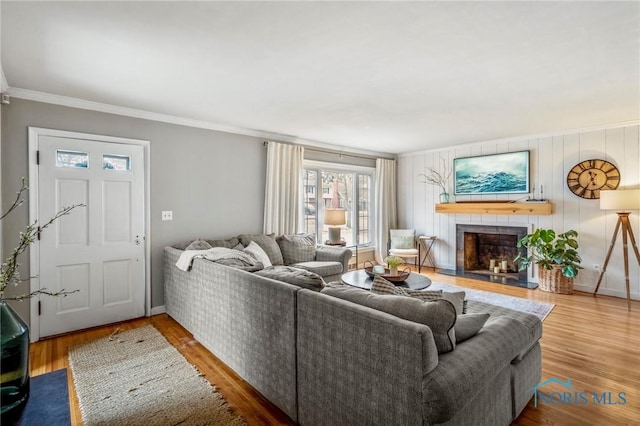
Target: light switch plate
x: 167, y: 215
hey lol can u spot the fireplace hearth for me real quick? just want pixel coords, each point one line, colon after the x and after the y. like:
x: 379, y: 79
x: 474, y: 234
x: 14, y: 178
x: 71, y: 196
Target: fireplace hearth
x: 482, y: 248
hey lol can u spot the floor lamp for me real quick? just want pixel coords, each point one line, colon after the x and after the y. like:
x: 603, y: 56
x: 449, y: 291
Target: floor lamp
x: 622, y: 201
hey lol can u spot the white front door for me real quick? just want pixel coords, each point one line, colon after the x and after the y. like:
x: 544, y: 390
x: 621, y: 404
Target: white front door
x: 99, y: 249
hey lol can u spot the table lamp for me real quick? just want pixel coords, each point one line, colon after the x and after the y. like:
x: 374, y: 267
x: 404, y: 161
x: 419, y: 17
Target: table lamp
x: 622, y: 201
x: 335, y: 218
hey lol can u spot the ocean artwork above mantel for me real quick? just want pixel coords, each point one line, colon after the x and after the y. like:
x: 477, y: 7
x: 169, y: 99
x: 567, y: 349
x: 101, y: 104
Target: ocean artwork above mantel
x: 506, y: 173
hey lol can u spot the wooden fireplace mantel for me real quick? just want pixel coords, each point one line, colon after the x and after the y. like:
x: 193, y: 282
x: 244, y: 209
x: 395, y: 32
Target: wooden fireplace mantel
x: 505, y: 208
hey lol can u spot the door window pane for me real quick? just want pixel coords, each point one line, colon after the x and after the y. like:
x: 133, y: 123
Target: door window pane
x: 116, y: 162
x: 72, y: 159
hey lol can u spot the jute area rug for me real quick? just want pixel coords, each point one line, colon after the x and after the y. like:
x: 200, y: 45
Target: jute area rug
x: 137, y: 378
x: 539, y: 309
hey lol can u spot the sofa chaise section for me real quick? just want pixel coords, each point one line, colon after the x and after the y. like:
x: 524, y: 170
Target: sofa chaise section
x: 360, y: 366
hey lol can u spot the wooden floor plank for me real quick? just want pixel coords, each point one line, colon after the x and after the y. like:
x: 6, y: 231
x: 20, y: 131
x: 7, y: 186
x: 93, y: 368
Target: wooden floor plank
x: 594, y: 341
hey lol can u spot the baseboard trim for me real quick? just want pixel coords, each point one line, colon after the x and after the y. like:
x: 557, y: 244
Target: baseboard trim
x: 158, y: 310
x: 606, y: 292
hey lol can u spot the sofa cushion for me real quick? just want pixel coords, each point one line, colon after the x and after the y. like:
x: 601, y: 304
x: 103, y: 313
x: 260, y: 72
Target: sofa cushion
x: 295, y: 276
x: 258, y: 253
x: 297, y: 248
x: 469, y: 325
x: 198, y: 244
x: 439, y: 315
x: 324, y: 269
x: 532, y: 323
x: 382, y: 286
x: 268, y: 244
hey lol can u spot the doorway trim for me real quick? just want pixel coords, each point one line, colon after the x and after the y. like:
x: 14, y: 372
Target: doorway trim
x: 34, y: 249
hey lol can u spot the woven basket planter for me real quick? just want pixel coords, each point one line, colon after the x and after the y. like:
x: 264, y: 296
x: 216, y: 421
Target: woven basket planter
x: 553, y: 281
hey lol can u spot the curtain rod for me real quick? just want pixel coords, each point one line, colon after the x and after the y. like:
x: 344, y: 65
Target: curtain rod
x: 330, y: 151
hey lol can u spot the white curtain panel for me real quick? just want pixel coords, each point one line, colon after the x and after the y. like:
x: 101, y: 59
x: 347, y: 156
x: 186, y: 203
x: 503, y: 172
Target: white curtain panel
x: 386, y: 216
x: 283, y: 189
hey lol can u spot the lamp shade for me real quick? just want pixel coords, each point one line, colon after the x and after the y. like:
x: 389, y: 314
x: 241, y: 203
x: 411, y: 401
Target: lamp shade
x: 620, y: 200
x: 335, y: 217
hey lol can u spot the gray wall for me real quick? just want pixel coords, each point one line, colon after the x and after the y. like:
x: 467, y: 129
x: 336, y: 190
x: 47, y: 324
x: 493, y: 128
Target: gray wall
x: 212, y: 181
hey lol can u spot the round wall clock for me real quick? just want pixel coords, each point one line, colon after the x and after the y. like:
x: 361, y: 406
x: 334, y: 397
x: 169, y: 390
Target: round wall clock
x: 588, y: 177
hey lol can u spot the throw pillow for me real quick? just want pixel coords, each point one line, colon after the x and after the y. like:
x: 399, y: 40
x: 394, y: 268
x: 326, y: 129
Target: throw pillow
x: 268, y: 244
x: 299, y: 277
x: 382, y: 286
x: 402, y: 238
x: 198, y: 244
x: 230, y: 243
x: 258, y: 253
x: 468, y: 325
x: 439, y: 315
x: 297, y: 248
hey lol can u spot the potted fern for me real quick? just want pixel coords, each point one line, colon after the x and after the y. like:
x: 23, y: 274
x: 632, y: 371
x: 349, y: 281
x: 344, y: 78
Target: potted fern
x: 556, y: 256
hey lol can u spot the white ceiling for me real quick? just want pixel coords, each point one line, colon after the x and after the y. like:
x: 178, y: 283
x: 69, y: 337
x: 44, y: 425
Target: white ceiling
x: 386, y: 76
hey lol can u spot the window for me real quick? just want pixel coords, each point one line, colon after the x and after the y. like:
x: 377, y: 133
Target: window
x: 116, y: 162
x: 342, y: 188
x: 74, y: 159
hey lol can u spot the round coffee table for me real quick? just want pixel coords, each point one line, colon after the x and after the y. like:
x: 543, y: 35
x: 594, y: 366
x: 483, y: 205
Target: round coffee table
x: 359, y: 278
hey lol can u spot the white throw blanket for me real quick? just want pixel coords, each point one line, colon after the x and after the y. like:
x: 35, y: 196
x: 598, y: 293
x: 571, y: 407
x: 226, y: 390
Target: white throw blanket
x: 214, y: 254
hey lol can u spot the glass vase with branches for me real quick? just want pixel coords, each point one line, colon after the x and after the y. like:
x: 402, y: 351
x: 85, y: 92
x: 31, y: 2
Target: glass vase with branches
x: 440, y: 178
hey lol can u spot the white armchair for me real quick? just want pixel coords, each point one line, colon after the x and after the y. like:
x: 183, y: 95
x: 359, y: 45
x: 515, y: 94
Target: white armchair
x: 402, y: 243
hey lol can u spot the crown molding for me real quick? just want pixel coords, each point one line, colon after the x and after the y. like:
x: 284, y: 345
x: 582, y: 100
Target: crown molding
x: 68, y: 101
x: 529, y: 137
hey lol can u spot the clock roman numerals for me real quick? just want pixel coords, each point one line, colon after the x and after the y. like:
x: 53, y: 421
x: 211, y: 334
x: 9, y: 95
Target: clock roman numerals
x: 588, y: 177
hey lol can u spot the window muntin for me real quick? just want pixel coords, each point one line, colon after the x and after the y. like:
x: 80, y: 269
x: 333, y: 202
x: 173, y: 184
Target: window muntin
x: 74, y: 159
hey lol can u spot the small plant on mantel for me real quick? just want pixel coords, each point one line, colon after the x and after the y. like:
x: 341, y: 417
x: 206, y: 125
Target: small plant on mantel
x: 556, y: 256
x: 439, y: 179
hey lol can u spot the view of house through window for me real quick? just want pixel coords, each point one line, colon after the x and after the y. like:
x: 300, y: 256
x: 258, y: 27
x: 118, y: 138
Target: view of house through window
x: 338, y: 189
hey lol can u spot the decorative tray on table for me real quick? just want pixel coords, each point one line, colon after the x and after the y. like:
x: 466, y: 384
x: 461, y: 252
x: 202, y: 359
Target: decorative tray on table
x: 397, y: 278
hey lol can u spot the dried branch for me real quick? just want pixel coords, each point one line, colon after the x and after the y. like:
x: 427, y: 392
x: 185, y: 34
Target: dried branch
x: 437, y: 178
x: 25, y: 296
x: 9, y: 273
x: 18, y: 201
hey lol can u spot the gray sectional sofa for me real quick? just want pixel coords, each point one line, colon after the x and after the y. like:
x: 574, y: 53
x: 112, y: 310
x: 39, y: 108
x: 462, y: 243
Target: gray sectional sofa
x: 325, y: 361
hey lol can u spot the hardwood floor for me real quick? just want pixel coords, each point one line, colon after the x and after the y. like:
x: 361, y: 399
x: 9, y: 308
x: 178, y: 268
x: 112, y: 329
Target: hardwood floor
x: 594, y: 341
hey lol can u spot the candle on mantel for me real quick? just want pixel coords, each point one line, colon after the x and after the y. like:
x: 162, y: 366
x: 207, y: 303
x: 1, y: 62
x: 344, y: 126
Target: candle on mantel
x: 492, y: 264
x: 496, y: 269
x: 504, y: 265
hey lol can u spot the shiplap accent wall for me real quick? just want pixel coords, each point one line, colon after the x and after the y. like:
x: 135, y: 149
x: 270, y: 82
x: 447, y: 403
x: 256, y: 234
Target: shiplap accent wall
x: 551, y: 159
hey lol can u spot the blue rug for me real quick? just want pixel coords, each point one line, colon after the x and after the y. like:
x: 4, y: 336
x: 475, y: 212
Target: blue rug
x: 48, y: 402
